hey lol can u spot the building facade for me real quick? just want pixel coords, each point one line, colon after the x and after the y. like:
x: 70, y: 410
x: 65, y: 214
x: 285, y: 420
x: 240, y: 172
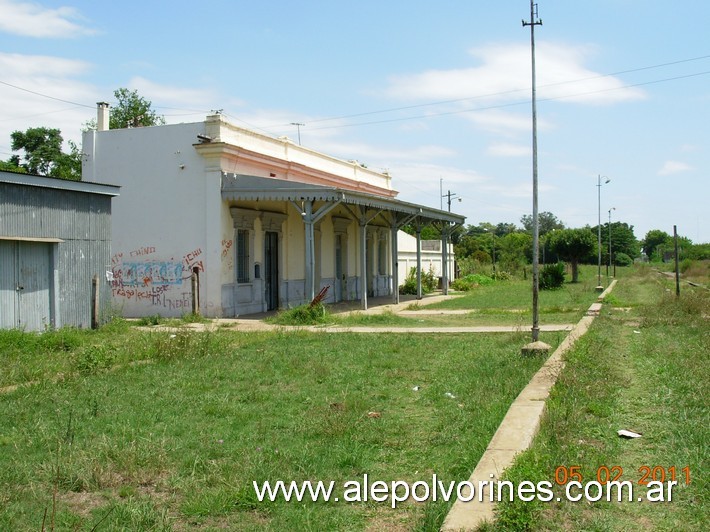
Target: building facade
x: 55, y: 251
x: 255, y: 223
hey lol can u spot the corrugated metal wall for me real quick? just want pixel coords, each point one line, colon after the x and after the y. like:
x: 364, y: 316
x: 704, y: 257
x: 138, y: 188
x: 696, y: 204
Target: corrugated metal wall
x: 83, y: 221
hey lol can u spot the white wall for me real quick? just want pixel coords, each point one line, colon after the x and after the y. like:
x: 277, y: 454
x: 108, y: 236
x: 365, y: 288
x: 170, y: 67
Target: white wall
x: 431, y: 259
x: 167, y: 206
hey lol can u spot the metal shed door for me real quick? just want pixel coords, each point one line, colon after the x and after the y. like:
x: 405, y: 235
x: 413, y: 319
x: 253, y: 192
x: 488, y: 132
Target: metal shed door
x: 25, y: 269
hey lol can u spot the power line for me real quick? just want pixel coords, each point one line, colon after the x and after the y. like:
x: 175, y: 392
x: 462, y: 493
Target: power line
x: 511, y: 104
x: 497, y: 94
x: 45, y: 95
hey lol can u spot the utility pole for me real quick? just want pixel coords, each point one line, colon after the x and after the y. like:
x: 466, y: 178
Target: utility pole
x: 677, y: 271
x: 530, y: 348
x: 608, y: 268
x: 599, y: 288
x: 449, y: 195
x: 298, y: 125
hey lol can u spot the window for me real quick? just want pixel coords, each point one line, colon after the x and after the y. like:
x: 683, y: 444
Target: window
x: 242, y: 256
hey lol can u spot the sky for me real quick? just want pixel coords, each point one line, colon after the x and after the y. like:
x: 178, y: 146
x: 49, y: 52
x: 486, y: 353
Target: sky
x: 438, y: 94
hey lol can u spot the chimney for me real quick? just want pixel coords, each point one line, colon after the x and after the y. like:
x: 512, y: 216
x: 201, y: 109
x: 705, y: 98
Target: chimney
x: 102, y: 116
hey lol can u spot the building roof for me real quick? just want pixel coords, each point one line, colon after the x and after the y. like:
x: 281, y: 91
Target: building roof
x: 32, y: 180
x: 246, y: 187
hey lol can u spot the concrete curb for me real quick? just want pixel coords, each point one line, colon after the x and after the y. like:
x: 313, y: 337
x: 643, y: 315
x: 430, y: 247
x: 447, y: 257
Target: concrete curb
x: 516, y: 431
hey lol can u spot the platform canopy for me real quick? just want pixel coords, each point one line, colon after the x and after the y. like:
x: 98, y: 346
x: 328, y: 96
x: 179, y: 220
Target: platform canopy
x: 315, y: 201
x: 244, y: 187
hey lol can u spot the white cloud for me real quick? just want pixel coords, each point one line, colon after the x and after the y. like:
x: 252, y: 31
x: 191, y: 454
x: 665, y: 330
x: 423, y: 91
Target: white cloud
x: 674, y: 167
x: 33, y: 20
x: 200, y: 100
x: 27, y: 78
x: 503, y: 76
x: 502, y: 149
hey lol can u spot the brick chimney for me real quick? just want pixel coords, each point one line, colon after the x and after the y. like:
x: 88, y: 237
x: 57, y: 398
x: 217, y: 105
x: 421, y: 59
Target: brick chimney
x: 102, y: 116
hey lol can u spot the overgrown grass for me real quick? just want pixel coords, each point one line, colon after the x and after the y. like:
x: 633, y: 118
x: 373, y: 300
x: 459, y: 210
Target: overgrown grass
x: 302, y: 315
x: 643, y: 366
x: 177, y: 443
x: 517, y: 294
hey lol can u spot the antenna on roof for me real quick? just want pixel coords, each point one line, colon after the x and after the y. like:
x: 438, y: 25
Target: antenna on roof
x: 298, y: 125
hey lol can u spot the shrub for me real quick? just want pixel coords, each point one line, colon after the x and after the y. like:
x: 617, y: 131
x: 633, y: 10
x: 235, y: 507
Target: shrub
x: 501, y: 275
x: 429, y: 282
x: 622, y: 259
x: 462, y: 285
x: 478, y: 279
x: 552, y: 276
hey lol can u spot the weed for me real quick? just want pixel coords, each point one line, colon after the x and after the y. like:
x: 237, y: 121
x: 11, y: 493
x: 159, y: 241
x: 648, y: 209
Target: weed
x: 154, y: 319
x: 302, y: 315
x: 93, y: 358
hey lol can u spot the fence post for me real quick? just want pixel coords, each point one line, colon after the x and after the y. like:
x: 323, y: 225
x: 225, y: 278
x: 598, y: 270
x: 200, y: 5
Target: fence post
x: 195, y: 285
x: 95, y: 302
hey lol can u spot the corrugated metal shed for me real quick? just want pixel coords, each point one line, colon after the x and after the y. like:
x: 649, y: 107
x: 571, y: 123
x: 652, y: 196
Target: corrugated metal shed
x: 55, y: 235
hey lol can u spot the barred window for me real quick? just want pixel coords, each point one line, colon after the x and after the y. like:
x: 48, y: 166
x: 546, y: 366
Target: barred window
x: 242, y: 256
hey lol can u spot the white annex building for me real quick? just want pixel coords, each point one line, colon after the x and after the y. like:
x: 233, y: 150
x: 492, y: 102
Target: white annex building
x: 260, y: 222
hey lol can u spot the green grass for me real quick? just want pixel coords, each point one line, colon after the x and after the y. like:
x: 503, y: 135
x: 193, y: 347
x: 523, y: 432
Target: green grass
x: 517, y: 294
x: 643, y: 366
x: 175, y: 444
x: 475, y: 318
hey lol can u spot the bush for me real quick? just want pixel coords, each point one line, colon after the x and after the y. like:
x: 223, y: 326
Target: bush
x: 429, y: 282
x: 622, y: 259
x: 552, y: 276
x: 501, y: 275
x: 462, y: 285
x: 478, y: 279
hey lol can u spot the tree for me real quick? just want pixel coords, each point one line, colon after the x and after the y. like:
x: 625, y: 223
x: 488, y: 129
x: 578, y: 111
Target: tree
x: 503, y: 229
x: 43, y: 154
x: 623, y: 240
x: 546, y: 222
x: 653, y: 239
x: 572, y: 245
x: 12, y: 165
x: 131, y: 110
x: 514, y: 250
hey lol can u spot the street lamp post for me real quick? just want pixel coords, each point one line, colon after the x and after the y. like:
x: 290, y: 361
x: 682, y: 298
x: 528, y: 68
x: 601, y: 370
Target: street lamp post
x: 608, y: 268
x: 600, y: 288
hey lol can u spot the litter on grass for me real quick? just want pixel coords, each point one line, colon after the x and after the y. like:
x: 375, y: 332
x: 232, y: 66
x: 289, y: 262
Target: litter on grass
x: 628, y: 434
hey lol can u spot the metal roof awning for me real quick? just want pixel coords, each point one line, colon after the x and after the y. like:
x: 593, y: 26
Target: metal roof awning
x: 32, y: 239
x: 251, y: 188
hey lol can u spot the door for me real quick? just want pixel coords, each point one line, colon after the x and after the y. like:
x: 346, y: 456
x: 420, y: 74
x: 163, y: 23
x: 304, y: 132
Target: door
x: 25, y: 271
x: 271, y: 269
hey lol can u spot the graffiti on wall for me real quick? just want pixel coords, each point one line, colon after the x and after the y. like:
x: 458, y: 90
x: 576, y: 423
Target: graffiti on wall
x: 139, y: 276
x: 227, y: 257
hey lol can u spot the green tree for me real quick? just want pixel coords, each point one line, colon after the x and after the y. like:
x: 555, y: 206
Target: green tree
x: 131, y: 110
x: 43, y: 155
x: 12, y: 165
x: 623, y: 240
x: 653, y: 239
x: 514, y: 250
x: 546, y: 222
x: 572, y: 245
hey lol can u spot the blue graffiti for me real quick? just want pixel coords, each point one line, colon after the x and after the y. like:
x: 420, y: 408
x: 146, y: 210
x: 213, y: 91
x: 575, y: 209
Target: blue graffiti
x: 155, y: 273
